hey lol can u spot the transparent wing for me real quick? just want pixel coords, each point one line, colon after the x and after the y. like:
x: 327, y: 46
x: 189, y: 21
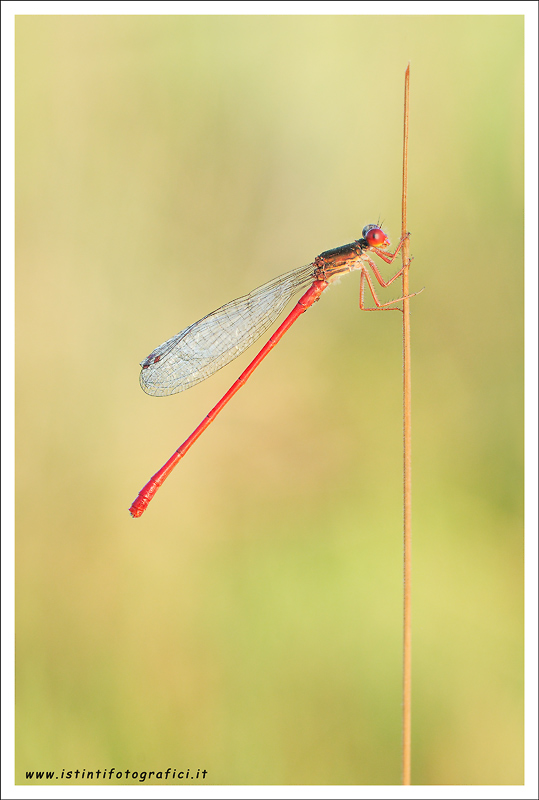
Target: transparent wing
x: 209, y: 344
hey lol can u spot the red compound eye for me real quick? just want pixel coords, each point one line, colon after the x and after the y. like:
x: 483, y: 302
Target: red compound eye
x: 376, y: 237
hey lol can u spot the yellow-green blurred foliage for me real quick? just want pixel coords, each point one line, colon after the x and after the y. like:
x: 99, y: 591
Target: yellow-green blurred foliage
x: 250, y: 623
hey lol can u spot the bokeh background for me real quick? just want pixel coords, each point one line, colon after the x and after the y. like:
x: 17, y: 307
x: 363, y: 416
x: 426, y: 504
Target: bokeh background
x: 249, y: 623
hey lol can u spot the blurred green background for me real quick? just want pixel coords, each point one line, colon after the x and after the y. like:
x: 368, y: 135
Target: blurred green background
x: 249, y: 623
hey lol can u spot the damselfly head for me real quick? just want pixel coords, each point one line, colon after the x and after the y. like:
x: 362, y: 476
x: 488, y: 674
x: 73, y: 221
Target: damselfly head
x: 375, y: 237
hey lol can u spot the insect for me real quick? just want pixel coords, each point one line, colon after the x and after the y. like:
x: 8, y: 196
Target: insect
x: 209, y: 344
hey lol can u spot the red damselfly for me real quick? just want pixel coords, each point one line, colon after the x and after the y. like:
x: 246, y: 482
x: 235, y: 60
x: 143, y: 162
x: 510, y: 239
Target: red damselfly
x: 209, y: 344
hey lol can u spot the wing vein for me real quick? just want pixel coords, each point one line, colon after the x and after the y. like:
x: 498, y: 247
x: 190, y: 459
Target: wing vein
x: 197, y: 352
